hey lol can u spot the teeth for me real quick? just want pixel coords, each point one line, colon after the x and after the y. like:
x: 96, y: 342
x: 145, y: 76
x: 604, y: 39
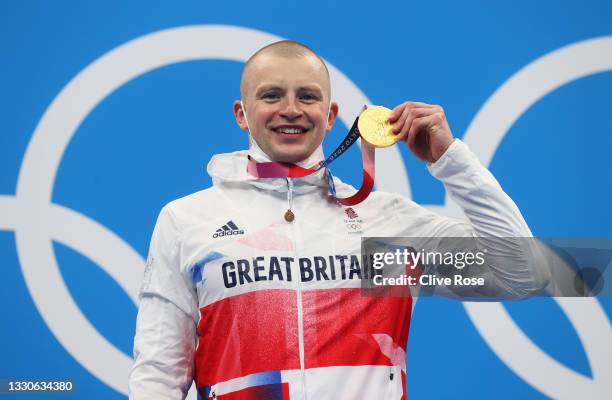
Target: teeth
x: 290, y: 130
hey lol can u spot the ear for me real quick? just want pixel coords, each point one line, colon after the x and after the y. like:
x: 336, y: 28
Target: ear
x: 331, y: 118
x: 240, y: 116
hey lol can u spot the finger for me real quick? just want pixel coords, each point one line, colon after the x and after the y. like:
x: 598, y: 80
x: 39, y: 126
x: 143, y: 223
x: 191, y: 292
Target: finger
x: 403, y: 124
x: 398, y: 110
x: 411, y: 116
x: 418, y: 112
x: 397, y: 126
x: 400, y: 122
x: 419, y: 127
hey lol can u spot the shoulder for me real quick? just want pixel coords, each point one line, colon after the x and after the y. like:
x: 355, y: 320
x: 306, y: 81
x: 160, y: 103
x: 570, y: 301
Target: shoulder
x: 395, y: 202
x: 193, y: 208
x: 377, y: 199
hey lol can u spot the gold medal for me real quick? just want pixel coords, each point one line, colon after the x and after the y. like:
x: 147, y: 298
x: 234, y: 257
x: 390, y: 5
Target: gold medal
x: 375, y: 128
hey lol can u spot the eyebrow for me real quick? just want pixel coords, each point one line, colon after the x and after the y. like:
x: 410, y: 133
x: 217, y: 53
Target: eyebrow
x: 268, y: 87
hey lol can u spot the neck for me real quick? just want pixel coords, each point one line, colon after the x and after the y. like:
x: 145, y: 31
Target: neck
x: 259, y: 155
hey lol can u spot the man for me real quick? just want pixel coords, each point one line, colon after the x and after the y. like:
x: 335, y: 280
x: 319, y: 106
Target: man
x: 253, y: 304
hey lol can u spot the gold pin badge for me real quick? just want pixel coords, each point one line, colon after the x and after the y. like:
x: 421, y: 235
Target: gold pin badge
x: 289, y: 216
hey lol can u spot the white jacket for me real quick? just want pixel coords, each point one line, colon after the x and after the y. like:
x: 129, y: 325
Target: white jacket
x: 248, y: 304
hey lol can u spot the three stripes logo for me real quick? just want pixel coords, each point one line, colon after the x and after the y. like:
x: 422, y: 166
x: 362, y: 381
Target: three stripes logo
x: 230, y: 228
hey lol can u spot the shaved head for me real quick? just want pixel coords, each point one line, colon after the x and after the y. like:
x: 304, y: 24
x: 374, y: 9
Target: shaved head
x: 287, y: 49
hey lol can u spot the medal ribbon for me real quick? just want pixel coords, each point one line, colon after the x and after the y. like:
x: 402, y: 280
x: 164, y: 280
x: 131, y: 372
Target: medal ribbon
x: 288, y: 170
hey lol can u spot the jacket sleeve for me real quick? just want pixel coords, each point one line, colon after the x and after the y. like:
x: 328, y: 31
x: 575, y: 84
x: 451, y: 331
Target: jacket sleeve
x: 164, y: 343
x: 515, y: 266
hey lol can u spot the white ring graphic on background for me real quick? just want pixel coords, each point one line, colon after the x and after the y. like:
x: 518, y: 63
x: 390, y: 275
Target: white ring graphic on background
x: 37, y: 221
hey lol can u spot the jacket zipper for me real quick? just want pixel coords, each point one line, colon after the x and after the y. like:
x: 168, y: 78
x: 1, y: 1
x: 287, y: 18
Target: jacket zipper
x: 300, y: 310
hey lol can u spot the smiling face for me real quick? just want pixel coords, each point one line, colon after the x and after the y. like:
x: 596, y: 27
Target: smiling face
x: 287, y: 99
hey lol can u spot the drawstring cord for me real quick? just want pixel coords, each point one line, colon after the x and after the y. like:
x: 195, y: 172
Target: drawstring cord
x: 289, y: 215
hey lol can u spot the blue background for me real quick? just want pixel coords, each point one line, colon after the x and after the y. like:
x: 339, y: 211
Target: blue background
x: 149, y: 141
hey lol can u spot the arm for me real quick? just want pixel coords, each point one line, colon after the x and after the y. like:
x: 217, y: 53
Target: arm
x: 515, y: 267
x: 164, y: 344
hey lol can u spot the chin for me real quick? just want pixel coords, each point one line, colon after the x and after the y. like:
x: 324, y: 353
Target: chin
x: 291, y: 156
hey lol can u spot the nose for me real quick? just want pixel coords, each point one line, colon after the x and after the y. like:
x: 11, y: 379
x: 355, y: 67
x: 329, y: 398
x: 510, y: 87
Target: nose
x: 290, y: 108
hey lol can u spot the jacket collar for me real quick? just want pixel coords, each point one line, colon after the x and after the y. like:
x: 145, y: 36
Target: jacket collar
x: 232, y: 168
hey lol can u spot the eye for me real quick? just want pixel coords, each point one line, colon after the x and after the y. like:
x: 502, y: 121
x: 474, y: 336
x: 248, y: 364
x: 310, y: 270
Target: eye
x: 309, y: 97
x: 270, y: 96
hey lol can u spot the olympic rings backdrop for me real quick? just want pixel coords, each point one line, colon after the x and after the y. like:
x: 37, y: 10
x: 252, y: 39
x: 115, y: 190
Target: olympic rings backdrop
x: 111, y: 109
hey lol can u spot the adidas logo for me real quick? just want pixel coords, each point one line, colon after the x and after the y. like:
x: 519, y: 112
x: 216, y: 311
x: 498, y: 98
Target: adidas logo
x: 227, y: 230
